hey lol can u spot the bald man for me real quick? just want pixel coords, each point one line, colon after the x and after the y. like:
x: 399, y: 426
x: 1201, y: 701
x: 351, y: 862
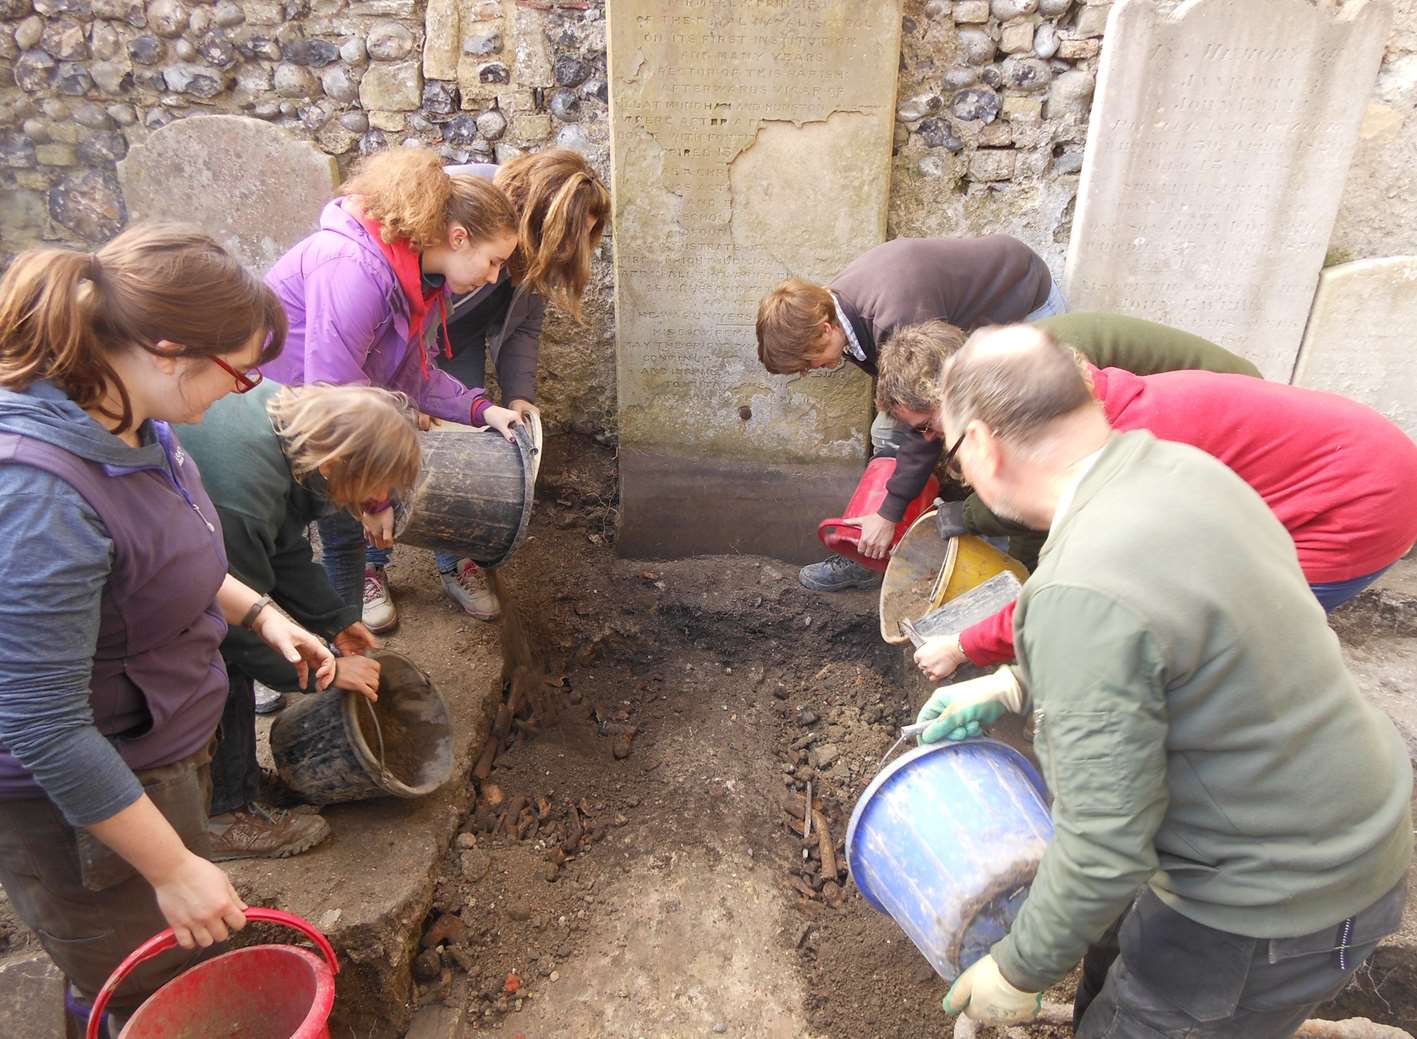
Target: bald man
x: 1202, y: 739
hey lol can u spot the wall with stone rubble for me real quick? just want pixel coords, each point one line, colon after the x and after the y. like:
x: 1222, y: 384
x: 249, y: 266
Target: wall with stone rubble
x: 993, y: 102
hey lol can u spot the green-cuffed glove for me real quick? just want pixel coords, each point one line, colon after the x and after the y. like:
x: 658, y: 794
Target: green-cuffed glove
x: 959, y: 711
x: 983, y: 994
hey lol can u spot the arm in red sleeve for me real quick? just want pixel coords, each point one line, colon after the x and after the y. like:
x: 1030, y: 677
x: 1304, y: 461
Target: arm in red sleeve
x: 991, y: 641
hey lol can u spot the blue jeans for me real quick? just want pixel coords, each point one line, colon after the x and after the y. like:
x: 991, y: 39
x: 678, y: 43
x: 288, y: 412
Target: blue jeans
x: 1333, y: 594
x: 343, y: 552
x: 1054, y: 304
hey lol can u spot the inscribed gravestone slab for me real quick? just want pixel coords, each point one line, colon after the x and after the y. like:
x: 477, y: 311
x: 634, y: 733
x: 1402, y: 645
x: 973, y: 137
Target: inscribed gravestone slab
x: 250, y: 184
x: 1359, y: 341
x: 751, y: 139
x: 1216, y: 154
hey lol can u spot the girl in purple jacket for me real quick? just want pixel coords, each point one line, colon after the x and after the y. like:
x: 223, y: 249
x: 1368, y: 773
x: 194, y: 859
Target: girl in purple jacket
x: 359, y: 293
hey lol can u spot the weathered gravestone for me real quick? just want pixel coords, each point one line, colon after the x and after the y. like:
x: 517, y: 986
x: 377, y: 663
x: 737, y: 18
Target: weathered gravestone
x: 254, y: 187
x: 751, y: 140
x: 1360, y: 337
x: 1217, y: 149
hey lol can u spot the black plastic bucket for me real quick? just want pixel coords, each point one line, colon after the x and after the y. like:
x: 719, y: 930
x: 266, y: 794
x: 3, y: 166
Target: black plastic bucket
x: 474, y: 492
x: 326, y: 748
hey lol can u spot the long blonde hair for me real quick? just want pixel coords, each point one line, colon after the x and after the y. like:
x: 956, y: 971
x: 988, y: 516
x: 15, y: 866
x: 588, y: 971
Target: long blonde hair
x: 63, y: 314
x: 408, y: 192
x: 364, y: 440
x: 562, y: 209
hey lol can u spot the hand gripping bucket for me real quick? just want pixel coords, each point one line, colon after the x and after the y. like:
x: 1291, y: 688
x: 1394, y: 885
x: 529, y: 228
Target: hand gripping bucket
x: 946, y: 841
x: 870, y: 493
x: 259, y: 992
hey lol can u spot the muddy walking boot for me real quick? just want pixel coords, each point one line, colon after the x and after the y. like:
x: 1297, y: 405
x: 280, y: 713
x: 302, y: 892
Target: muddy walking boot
x: 379, y: 613
x: 837, y: 574
x: 467, y: 586
x: 259, y: 831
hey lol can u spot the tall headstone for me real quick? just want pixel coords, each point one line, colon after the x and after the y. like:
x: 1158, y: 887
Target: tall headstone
x: 1360, y: 337
x: 253, y: 186
x: 751, y: 141
x: 1218, y: 145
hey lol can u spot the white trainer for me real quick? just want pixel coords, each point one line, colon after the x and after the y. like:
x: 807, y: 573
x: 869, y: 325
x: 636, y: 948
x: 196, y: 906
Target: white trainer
x: 379, y: 613
x: 467, y: 586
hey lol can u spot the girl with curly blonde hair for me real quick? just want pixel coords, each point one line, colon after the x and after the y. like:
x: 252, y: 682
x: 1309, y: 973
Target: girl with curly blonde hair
x: 361, y: 291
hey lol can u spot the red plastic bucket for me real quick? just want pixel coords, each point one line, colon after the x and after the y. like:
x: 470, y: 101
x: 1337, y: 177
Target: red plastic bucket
x: 260, y: 992
x: 870, y: 493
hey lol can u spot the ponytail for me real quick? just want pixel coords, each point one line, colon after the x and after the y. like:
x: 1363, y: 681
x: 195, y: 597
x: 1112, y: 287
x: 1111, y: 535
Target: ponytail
x: 63, y: 314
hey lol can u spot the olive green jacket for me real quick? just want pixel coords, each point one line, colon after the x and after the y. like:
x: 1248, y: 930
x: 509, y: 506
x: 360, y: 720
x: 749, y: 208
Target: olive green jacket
x: 1111, y: 341
x: 1194, y: 718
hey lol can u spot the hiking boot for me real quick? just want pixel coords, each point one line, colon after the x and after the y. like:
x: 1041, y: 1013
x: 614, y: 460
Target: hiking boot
x: 268, y: 700
x: 467, y: 586
x: 379, y: 613
x: 837, y: 574
x: 259, y: 831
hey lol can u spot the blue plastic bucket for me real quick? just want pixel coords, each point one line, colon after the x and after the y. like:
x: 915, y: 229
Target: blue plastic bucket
x: 946, y: 841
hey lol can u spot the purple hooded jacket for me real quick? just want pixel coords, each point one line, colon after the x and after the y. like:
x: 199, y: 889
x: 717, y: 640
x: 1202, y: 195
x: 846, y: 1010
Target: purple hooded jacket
x: 349, y: 322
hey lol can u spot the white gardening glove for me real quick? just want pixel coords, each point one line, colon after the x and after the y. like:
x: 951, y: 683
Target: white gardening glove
x: 983, y: 994
x: 959, y: 711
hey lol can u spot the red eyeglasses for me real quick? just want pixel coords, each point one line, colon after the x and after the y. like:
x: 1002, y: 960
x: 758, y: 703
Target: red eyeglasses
x: 245, y: 381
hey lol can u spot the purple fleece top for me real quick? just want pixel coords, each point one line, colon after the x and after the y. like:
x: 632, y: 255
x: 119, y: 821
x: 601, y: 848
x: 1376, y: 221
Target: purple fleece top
x: 349, y: 322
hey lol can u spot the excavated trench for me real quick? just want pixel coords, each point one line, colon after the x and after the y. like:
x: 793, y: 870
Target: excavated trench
x: 633, y: 864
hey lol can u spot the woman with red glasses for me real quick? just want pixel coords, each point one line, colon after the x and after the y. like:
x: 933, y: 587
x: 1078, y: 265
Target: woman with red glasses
x: 117, y: 596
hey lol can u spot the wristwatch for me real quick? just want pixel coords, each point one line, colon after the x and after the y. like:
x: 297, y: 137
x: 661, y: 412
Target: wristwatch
x: 255, y: 611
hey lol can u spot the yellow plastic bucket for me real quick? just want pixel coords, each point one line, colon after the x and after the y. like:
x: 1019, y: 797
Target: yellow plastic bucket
x: 970, y: 561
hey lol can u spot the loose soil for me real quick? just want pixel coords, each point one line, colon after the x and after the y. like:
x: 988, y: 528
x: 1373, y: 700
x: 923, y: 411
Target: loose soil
x: 632, y: 864
x: 386, y: 733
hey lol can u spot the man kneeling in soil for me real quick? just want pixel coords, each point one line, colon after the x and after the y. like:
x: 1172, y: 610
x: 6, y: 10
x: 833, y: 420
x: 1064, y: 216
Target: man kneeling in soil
x: 1200, y: 734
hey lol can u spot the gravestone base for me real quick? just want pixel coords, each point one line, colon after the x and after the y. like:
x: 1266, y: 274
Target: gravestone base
x: 672, y: 506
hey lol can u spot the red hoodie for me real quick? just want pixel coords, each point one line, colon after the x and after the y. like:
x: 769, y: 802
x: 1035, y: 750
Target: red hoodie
x: 1339, y: 476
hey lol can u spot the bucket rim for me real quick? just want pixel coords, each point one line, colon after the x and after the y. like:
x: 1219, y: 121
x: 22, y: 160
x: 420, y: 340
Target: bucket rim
x: 884, y: 776
x: 529, y: 451
x: 349, y: 710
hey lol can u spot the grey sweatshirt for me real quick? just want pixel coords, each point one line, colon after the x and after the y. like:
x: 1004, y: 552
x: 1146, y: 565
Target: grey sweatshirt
x: 55, y: 558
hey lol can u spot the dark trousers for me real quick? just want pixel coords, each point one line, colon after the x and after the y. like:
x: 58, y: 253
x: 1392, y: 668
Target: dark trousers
x: 236, y: 775
x: 1157, y: 975
x: 86, y: 905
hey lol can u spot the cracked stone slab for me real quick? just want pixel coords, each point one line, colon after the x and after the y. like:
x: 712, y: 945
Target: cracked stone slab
x: 748, y: 144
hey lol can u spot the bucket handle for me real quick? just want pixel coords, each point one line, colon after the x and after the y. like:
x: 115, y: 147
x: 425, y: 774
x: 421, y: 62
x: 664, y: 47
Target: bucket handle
x: 828, y: 525
x: 160, y: 943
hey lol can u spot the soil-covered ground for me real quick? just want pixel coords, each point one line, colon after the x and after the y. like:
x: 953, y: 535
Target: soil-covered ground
x: 633, y: 862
